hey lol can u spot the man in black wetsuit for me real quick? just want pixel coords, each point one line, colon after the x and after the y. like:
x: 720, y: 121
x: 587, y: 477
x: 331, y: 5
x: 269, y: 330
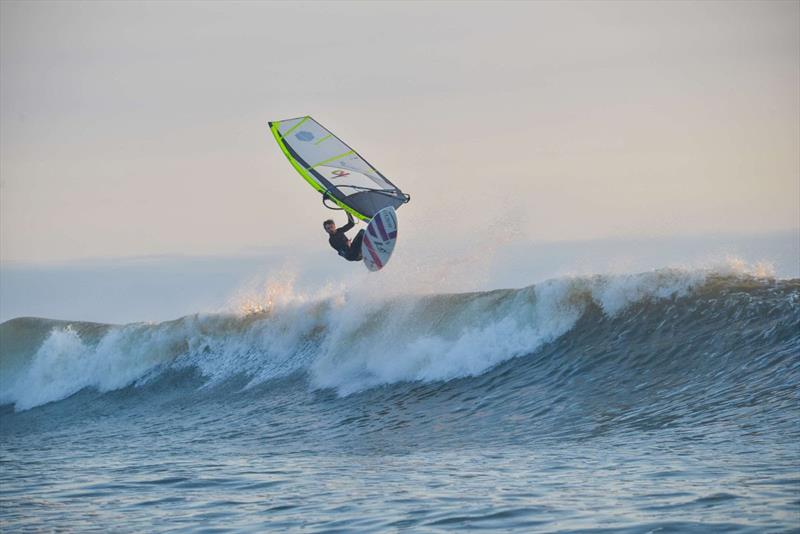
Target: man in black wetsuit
x: 340, y: 243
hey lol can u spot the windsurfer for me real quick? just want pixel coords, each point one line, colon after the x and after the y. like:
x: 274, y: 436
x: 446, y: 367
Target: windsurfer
x: 351, y: 251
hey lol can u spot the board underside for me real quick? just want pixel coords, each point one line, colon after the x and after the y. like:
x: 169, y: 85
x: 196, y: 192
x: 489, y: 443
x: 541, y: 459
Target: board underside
x: 379, y: 239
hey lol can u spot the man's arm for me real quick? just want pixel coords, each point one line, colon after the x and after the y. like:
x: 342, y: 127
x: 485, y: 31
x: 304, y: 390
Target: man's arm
x: 349, y: 225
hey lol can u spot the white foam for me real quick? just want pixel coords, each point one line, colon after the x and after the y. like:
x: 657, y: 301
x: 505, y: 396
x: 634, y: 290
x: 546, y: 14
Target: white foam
x: 64, y: 364
x: 366, y: 350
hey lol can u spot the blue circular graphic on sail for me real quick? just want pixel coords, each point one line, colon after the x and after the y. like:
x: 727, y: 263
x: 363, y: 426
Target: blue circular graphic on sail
x: 304, y: 136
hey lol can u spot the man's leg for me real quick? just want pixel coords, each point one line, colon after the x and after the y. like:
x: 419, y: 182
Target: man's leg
x: 355, y: 246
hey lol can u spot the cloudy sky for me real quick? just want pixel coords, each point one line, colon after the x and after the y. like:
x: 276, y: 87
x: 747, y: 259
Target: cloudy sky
x: 138, y: 128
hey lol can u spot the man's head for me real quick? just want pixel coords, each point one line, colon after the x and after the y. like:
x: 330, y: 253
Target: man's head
x: 329, y: 226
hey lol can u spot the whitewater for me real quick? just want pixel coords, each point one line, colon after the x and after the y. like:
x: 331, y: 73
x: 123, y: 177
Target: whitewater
x: 664, y: 401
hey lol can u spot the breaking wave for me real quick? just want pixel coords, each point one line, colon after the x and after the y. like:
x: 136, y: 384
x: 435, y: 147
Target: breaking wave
x: 350, y: 342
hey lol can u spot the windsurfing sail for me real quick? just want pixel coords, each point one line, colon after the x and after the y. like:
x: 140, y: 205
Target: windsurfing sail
x: 334, y: 169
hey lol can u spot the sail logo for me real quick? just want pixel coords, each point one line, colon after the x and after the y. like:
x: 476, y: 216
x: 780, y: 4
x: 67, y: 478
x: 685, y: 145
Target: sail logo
x: 338, y: 173
x: 304, y: 135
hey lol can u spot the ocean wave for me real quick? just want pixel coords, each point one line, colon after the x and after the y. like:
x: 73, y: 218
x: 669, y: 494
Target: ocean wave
x: 351, y: 341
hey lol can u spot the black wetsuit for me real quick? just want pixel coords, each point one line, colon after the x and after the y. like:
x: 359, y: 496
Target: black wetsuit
x: 342, y: 245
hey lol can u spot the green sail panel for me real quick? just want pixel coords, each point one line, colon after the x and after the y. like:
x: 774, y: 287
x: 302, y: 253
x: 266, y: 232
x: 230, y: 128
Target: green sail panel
x: 334, y: 169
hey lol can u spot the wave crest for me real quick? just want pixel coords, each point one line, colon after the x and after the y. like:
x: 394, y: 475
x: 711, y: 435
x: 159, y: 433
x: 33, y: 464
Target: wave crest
x: 344, y: 340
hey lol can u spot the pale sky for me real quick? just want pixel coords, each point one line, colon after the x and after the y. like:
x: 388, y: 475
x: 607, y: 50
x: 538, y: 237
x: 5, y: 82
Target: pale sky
x: 140, y: 128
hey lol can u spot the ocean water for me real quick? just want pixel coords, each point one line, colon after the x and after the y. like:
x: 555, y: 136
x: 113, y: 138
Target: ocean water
x: 667, y: 401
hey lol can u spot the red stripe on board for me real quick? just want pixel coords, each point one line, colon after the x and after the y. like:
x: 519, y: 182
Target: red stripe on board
x: 372, y: 252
